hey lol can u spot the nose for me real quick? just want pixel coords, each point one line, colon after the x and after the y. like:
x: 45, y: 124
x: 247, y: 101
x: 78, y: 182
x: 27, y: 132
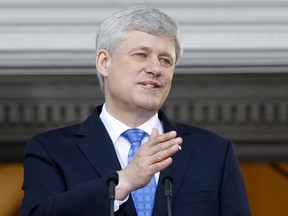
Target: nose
x: 154, y: 67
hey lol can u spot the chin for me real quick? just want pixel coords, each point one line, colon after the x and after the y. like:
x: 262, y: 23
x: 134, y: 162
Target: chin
x: 150, y: 107
x: 151, y: 104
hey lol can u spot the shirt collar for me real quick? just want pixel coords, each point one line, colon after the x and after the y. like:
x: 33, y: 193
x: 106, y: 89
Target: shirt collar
x: 115, y: 127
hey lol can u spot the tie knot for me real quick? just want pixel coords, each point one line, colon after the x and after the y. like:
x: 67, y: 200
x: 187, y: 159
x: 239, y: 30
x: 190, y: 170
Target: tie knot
x: 134, y: 135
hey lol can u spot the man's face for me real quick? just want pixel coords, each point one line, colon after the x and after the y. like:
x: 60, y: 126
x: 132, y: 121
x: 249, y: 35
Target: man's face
x: 139, y: 73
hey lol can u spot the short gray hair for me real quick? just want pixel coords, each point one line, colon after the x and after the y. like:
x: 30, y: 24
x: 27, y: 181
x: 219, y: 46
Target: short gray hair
x: 136, y: 18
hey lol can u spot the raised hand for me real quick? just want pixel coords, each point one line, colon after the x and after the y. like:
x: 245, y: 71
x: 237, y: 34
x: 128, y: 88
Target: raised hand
x: 152, y: 157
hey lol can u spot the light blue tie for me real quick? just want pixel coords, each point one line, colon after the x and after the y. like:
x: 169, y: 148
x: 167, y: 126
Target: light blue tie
x: 144, y: 197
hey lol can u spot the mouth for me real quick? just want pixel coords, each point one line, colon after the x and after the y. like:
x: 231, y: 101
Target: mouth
x: 150, y: 85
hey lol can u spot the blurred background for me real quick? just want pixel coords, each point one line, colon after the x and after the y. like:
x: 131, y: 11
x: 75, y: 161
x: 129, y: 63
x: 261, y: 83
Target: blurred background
x: 232, y: 79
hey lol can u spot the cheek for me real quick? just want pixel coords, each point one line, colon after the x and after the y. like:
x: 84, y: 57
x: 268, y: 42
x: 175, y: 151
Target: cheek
x: 119, y: 81
x: 168, y: 79
x: 123, y: 70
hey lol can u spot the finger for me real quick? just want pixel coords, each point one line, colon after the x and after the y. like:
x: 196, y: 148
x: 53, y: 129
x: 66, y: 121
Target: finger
x: 172, y: 143
x: 157, y: 138
x: 166, y: 150
x: 159, y: 166
x: 154, y: 133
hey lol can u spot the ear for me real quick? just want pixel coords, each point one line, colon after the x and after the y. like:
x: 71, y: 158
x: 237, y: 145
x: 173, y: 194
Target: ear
x: 103, y: 60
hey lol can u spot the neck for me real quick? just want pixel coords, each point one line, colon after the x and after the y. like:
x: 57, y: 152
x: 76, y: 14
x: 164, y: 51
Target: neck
x: 133, y: 118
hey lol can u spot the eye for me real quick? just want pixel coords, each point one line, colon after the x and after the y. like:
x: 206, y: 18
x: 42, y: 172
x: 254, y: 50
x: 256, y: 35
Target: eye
x: 140, y: 55
x: 165, y: 61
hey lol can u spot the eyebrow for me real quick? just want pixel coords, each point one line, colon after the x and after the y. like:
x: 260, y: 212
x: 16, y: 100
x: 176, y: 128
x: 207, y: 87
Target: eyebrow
x: 140, y: 48
x: 145, y: 48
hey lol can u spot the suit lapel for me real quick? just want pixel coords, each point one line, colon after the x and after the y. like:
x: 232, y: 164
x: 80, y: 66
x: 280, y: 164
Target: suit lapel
x: 176, y: 170
x: 96, y: 144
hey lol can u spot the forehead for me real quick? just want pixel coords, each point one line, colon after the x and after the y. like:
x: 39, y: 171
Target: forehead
x: 135, y: 39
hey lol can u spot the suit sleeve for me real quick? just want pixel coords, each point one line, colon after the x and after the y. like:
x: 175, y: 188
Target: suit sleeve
x: 45, y: 192
x: 233, y: 198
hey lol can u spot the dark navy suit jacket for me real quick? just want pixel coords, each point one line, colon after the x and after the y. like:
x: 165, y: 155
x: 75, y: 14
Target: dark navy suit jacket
x: 66, y: 173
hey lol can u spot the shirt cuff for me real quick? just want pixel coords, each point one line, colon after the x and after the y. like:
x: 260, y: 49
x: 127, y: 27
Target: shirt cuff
x: 117, y: 203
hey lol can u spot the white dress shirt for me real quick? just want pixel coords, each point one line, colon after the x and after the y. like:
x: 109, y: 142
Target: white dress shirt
x: 115, y: 128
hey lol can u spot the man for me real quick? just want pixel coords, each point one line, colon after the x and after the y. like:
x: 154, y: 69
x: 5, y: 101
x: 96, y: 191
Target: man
x: 66, y: 169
